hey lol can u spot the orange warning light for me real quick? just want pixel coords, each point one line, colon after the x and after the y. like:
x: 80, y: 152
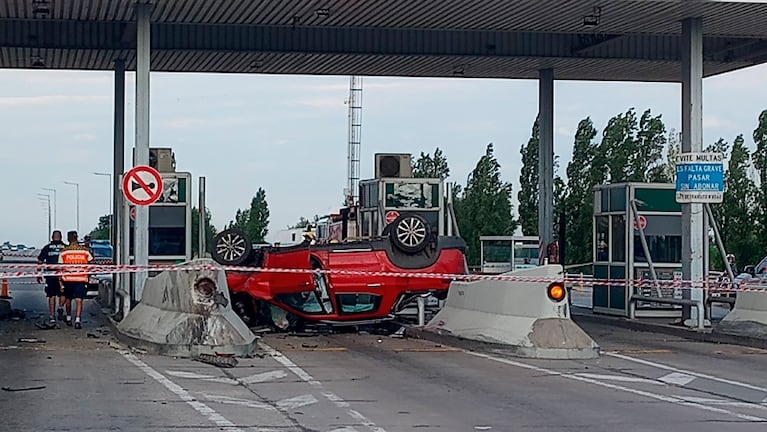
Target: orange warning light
x: 556, y: 292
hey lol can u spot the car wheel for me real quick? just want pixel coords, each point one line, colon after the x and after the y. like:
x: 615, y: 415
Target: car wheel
x: 231, y: 247
x: 410, y: 233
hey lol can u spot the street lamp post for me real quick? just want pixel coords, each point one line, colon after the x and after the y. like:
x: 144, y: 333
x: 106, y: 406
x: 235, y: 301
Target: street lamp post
x: 77, y: 186
x: 46, y: 199
x: 109, y: 211
x: 55, y: 206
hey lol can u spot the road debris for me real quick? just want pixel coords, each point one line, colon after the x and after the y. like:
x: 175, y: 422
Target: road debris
x: 224, y: 361
x: 18, y: 389
x: 31, y: 340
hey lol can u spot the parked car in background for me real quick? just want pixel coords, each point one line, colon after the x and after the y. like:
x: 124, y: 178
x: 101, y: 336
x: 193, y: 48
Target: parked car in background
x: 102, y: 255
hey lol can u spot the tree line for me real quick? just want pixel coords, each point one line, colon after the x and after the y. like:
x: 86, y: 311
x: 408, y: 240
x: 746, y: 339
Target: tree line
x: 632, y: 147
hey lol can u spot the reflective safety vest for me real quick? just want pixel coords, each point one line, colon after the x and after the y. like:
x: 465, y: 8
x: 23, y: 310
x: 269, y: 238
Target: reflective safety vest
x: 75, y: 255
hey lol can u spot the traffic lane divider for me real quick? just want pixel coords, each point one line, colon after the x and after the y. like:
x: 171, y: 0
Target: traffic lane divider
x: 16, y: 271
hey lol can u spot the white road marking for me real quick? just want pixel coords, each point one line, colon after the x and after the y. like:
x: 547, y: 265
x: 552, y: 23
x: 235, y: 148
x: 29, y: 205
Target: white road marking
x: 332, y: 397
x: 345, y: 429
x: 732, y: 403
x: 237, y: 401
x: 296, y: 402
x: 263, y: 377
x: 695, y: 374
x: 252, y: 379
x: 677, y: 378
x: 619, y: 378
x: 651, y: 395
x: 198, y: 406
x: 192, y: 375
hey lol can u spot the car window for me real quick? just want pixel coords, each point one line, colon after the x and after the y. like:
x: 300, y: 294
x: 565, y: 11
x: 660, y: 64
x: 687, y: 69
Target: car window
x: 358, y: 303
x: 305, y: 301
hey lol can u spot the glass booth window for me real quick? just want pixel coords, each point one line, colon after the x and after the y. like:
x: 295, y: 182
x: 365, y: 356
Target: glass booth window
x: 497, y: 251
x: 663, y: 248
x: 618, y: 233
x: 603, y: 238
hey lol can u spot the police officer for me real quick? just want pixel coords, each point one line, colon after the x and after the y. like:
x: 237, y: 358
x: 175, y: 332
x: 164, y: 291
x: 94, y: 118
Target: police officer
x: 50, y: 255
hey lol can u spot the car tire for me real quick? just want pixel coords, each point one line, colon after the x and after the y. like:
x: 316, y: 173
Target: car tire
x: 410, y: 233
x: 231, y: 247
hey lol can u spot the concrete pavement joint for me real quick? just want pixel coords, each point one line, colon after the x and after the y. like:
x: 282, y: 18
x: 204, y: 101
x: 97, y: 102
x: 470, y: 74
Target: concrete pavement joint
x: 651, y: 395
x: 332, y: 397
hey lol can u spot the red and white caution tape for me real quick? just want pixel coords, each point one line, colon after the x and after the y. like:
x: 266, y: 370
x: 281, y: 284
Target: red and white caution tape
x: 18, y: 271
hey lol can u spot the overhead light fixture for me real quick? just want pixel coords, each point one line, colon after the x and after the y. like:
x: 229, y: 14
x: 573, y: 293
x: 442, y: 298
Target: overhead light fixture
x: 40, y: 7
x: 324, y: 12
x: 593, y: 19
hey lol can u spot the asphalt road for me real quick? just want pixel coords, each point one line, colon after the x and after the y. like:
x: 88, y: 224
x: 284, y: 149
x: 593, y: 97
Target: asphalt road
x: 362, y: 382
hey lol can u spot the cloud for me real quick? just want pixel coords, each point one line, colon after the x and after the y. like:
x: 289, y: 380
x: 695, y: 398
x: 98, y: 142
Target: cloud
x: 711, y: 121
x: 203, y: 122
x: 320, y: 102
x: 50, y: 100
x: 84, y: 137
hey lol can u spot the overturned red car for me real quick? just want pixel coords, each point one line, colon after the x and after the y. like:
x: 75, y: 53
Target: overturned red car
x: 284, y: 299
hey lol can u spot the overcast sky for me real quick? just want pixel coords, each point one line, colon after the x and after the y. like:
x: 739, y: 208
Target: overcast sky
x: 288, y: 134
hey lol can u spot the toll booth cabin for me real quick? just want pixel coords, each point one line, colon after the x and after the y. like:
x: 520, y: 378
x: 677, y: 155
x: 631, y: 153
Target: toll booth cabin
x: 619, y: 258
x: 501, y: 254
x: 394, y: 190
x: 170, y: 221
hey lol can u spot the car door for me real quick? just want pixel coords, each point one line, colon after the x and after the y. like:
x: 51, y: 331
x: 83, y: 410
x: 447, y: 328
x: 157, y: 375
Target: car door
x: 345, y: 261
x: 292, y: 274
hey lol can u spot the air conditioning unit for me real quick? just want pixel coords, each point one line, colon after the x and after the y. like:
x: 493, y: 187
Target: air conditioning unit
x: 393, y: 165
x: 161, y: 159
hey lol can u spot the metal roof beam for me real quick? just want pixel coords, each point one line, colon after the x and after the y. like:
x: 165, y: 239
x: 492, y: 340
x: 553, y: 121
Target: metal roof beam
x: 102, y: 35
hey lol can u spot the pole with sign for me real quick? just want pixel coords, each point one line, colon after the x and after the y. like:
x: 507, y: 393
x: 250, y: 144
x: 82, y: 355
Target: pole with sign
x: 142, y: 186
x: 699, y: 178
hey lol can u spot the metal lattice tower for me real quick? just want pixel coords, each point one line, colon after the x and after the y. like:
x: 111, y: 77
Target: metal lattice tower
x: 355, y: 143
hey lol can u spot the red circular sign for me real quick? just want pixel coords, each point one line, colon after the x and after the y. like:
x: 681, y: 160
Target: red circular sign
x: 391, y: 216
x: 133, y: 213
x: 642, y: 222
x: 142, y: 185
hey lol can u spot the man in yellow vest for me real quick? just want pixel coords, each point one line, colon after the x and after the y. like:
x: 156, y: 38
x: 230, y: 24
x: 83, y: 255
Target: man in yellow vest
x: 75, y: 285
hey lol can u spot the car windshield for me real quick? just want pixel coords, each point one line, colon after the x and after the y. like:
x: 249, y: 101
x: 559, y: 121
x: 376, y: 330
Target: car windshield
x: 102, y: 252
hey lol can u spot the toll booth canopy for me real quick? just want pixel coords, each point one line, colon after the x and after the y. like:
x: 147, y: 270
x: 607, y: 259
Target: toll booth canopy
x: 618, y: 255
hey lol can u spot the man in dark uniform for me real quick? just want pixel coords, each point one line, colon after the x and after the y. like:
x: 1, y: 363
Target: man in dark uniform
x: 50, y: 255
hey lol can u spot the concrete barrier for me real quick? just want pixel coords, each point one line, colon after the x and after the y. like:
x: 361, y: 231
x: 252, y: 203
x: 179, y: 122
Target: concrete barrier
x: 748, y: 317
x: 185, y: 314
x: 518, y: 315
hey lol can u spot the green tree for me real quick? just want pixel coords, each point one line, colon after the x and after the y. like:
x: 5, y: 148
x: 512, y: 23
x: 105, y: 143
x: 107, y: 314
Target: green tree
x: 258, y: 217
x: 673, y: 148
x: 254, y: 221
x: 647, y: 161
x: 210, y: 230
x: 584, y: 171
x: 617, y: 145
x: 528, y: 184
x: 720, y: 146
x: 485, y: 206
x: 302, y: 223
x: 739, y: 208
x: 633, y: 148
x: 101, y: 232
x: 428, y: 166
x: 760, y: 163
